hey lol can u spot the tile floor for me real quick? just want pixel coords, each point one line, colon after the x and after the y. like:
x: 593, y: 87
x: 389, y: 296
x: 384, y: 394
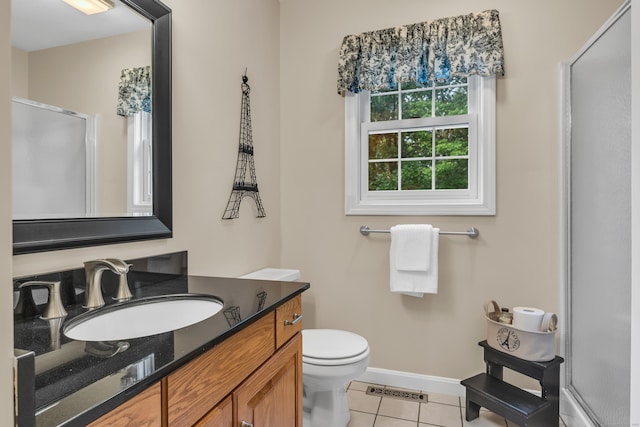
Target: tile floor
x: 440, y: 410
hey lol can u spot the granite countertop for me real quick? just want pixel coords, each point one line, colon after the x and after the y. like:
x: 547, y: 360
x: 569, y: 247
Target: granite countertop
x: 77, y: 382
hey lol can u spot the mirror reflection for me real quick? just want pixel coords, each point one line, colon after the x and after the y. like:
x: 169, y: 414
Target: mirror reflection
x: 81, y: 108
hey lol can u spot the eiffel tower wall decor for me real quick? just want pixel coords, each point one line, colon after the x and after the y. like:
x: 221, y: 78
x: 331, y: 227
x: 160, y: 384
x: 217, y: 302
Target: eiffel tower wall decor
x: 243, y: 185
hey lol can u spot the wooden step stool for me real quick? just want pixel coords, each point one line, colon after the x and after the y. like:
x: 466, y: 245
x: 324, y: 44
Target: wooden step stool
x: 523, y: 408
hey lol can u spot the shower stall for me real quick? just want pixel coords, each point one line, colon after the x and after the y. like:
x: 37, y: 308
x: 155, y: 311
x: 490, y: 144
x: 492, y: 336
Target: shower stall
x: 600, y: 229
x: 54, y: 161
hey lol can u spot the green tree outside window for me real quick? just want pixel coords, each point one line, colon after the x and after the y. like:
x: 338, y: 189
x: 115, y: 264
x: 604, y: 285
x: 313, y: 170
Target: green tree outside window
x: 423, y: 159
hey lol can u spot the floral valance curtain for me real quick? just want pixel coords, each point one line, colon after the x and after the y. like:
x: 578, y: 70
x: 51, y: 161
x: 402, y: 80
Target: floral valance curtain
x: 457, y: 46
x: 134, y: 91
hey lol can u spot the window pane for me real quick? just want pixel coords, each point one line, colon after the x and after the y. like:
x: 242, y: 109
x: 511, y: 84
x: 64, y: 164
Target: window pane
x: 383, y: 176
x: 417, y: 144
x: 451, y: 101
x: 452, y: 174
x: 416, y: 175
x: 383, y: 146
x: 416, y: 104
x: 384, y: 107
x: 452, y: 142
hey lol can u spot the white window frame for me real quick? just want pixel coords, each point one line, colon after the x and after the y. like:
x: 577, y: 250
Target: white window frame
x: 479, y: 199
x: 140, y: 164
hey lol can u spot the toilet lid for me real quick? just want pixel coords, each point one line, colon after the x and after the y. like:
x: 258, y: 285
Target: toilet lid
x: 332, y: 345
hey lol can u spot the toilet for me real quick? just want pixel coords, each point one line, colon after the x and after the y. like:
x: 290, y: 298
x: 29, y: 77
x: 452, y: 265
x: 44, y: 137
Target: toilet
x: 330, y: 359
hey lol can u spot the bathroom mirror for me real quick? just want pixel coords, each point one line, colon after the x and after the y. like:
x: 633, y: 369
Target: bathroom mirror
x: 38, y: 234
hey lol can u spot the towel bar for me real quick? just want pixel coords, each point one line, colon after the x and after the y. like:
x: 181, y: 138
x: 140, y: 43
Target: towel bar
x: 473, y: 232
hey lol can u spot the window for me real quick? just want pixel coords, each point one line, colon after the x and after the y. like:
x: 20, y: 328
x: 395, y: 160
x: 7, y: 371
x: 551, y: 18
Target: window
x: 422, y: 150
x: 140, y: 179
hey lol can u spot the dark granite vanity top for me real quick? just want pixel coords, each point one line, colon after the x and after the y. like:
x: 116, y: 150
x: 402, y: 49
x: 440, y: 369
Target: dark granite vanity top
x: 77, y: 381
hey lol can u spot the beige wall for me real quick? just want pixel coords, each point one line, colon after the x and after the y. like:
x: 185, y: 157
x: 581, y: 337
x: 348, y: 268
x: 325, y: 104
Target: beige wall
x: 515, y: 259
x: 19, y: 73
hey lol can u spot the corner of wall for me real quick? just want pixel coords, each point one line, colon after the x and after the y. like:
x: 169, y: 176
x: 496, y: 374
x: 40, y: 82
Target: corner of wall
x: 6, y: 238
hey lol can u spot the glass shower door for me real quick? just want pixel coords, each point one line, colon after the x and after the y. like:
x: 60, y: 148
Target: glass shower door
x: 599, y: 287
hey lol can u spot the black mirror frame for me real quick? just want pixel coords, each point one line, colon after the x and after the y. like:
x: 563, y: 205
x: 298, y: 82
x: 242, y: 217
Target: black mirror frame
x: 55, y: 234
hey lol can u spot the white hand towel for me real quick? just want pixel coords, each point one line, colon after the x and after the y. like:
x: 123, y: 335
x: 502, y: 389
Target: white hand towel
x: 408, y: 279
x: 412, y: 246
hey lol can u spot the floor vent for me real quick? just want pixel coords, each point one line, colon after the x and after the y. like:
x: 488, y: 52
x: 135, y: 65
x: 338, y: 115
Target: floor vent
x: 413, y: 396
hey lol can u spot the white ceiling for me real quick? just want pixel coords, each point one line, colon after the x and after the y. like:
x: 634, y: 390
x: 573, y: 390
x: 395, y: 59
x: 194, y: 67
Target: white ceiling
x: 41, y: 24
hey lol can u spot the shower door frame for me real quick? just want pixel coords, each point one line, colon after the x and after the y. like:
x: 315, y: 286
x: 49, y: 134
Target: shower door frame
x: 571, y: 406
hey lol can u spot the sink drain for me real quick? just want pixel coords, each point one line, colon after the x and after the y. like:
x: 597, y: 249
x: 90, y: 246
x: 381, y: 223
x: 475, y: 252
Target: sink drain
x: 413, y: 396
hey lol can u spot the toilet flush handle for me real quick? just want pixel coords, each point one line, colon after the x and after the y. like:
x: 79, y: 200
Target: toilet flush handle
x: 296, y: 318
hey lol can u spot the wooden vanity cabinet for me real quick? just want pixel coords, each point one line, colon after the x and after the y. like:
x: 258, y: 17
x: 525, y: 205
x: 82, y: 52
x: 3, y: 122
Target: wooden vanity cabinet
x: 272, y: 396
x: 199, y: 385
x: 258, y: 370
x: 144, y: 410
x: 253, y: 376
x: 288, y: 320
x: 220, y: 416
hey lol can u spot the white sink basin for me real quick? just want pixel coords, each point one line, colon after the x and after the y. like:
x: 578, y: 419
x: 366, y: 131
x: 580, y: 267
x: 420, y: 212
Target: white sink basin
x: 142, y: 317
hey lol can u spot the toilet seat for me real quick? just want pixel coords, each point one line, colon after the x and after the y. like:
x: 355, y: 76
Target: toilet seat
x: 332, y: 347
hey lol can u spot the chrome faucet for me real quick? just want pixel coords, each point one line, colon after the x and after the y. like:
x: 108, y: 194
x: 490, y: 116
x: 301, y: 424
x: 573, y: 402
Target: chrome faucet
x: 93, y: 272
x: 123, y: 293
x: 54, y: 309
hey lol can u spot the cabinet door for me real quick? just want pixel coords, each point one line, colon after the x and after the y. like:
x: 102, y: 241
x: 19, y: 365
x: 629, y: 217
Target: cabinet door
x: 198, y: 386
x: 141, y: 410
x: 220, y: 416
x: 272, y: 396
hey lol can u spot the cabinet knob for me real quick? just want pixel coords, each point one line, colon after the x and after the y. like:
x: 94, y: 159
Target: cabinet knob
x: 296, y: 318
x: 246, y: 424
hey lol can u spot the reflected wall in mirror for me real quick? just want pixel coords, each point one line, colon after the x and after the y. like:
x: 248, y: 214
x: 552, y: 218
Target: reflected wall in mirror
x: 68, y: 64
x: 75, y: 65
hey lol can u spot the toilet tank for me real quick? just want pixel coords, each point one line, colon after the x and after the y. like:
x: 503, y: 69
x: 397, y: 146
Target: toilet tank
x: 279, y: 274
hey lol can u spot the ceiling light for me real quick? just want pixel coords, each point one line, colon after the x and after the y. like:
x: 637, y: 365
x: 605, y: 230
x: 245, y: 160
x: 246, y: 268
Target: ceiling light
x: 89, y: 7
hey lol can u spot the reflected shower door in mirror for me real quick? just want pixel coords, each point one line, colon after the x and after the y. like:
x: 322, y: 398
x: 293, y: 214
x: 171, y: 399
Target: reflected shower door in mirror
x: 54, y: 161
x: 81, y: 112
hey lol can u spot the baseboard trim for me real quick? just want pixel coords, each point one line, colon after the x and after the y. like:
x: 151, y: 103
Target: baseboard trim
x: 427, y: 383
